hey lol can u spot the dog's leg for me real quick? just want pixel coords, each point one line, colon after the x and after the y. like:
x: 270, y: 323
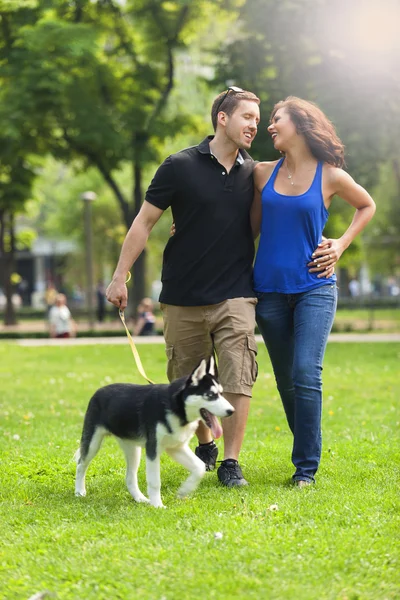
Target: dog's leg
x: 185, y: 457
x: 132, y: 456
x: 154, y: 481
x: 84, y: 461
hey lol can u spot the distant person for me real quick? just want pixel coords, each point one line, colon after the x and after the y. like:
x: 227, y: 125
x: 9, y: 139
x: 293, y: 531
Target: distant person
x: 101, y: 301
x: 77, y: 295
x: 394, y: 289
x: 50, y: 296
x: 145, y: 323
x: 354, y: 288
x: 61, y: 322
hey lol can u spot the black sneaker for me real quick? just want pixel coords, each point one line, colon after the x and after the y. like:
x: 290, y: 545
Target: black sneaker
x: 208, y: 454
x: 230, y: 473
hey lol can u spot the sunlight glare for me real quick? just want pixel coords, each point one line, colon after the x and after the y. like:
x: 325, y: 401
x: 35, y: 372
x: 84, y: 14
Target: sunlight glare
x: 375, y: 27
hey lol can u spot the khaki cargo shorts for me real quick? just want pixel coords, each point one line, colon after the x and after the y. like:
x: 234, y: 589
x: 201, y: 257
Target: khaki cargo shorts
x: 225, y: 330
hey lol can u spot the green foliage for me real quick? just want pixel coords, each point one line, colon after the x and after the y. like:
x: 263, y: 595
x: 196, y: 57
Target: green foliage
x: 58, y: 187
x: 292, y: 48
x: 89, y: 83
x: 316, y: 50
x: 383, y: 242
x: 120, y: 85
x: 94, y: 78
x: 58, y: 213
x: 333, y: 542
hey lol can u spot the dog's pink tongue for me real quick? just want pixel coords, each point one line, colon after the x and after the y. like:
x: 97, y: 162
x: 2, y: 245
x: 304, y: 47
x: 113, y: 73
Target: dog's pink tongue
x: 216, y: 428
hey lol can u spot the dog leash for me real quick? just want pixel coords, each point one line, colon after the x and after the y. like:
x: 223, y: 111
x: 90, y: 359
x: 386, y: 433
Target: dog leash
x: 132, y: 343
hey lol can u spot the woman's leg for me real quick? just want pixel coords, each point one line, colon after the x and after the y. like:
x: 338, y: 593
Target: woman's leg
x: 274, y: 317
x: 313, y: 318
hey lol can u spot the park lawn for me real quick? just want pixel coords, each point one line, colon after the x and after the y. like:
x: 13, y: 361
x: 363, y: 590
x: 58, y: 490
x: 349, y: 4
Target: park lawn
x: 367, y: 319
x: 388, y: 314
x: 336, y: 540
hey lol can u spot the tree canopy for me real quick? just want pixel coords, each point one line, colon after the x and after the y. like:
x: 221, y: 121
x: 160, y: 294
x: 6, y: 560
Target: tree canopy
x: 93, y: 84
x: 342, y: 55
x: 90, y: 81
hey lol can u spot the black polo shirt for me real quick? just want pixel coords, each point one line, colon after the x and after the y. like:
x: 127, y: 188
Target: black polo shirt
x: 209, y: 259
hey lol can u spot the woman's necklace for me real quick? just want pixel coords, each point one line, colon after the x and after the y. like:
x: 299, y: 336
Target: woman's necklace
x: 289, y: 175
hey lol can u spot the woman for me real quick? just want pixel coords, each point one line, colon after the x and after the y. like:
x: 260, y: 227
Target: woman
x: 146, y: 320
x: 293, y: 274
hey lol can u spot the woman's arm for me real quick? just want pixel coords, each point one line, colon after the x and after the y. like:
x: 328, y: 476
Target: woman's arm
x: 330, y: 250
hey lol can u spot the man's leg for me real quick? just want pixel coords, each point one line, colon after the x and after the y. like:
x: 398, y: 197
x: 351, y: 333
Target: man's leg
x: 229, y: 472
x: 234, y: 427
x: 187, y: 342
x: 232, y: 325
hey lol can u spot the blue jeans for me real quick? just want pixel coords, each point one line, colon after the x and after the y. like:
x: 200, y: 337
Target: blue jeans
x: 295, y: 328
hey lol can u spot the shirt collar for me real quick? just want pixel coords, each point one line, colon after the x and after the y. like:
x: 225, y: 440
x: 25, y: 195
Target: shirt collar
x: 204, y: 148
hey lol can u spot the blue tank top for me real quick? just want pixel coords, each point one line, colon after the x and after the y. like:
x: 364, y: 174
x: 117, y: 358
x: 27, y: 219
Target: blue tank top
x: 291, y: 229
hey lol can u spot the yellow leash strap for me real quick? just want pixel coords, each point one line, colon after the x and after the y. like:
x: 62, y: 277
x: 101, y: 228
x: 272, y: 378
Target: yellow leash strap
x: 132, y: 344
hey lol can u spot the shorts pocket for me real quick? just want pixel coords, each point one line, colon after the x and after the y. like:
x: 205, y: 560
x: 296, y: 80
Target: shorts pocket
x: 169, y: 351
x: 250, y: 366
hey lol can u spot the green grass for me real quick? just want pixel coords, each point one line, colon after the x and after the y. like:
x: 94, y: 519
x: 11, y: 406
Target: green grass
x: 365, y: 319
x: 337, y: 540
x: 381, y: 314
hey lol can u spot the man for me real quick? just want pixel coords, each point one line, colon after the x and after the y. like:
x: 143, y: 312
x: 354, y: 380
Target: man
x: 207, y: 297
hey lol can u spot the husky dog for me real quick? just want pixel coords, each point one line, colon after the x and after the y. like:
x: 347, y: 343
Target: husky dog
x: 156, y: 417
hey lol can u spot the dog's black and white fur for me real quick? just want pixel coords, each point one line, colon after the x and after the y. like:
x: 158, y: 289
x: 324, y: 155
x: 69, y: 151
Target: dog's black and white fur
x: 156, y: 417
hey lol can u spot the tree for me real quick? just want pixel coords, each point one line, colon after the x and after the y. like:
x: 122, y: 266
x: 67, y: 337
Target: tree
x: 318, y: 50
x: 18, y: 144
x: 16, y: 179
x: 95, y: 79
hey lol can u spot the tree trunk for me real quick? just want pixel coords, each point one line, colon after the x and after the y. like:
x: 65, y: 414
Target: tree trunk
x: 139, y: 268
x: 7, y: 253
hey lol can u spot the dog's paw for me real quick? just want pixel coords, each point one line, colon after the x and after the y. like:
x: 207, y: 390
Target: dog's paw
x: 157, y: 504
x: 139, y: 497
x: 185, y: 490
x: 80, y: 493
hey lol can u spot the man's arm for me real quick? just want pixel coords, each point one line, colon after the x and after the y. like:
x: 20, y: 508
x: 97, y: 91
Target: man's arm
x: 255, y: 214
x: 133, y: 245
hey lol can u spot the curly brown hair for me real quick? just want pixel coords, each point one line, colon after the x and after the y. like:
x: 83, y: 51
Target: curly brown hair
x: 317, y: 129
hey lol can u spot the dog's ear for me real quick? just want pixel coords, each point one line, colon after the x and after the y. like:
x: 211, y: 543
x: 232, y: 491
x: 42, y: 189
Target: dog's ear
x: 199, y: 372
x: 211, y: 366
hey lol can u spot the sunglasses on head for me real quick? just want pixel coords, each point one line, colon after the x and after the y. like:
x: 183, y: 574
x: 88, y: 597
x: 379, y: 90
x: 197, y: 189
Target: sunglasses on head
x: 231, y: 88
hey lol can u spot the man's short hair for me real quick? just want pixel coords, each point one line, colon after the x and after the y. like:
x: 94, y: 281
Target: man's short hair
x: 228, y: 102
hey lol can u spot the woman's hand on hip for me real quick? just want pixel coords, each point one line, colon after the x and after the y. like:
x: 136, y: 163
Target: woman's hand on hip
x: 325, y: 257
